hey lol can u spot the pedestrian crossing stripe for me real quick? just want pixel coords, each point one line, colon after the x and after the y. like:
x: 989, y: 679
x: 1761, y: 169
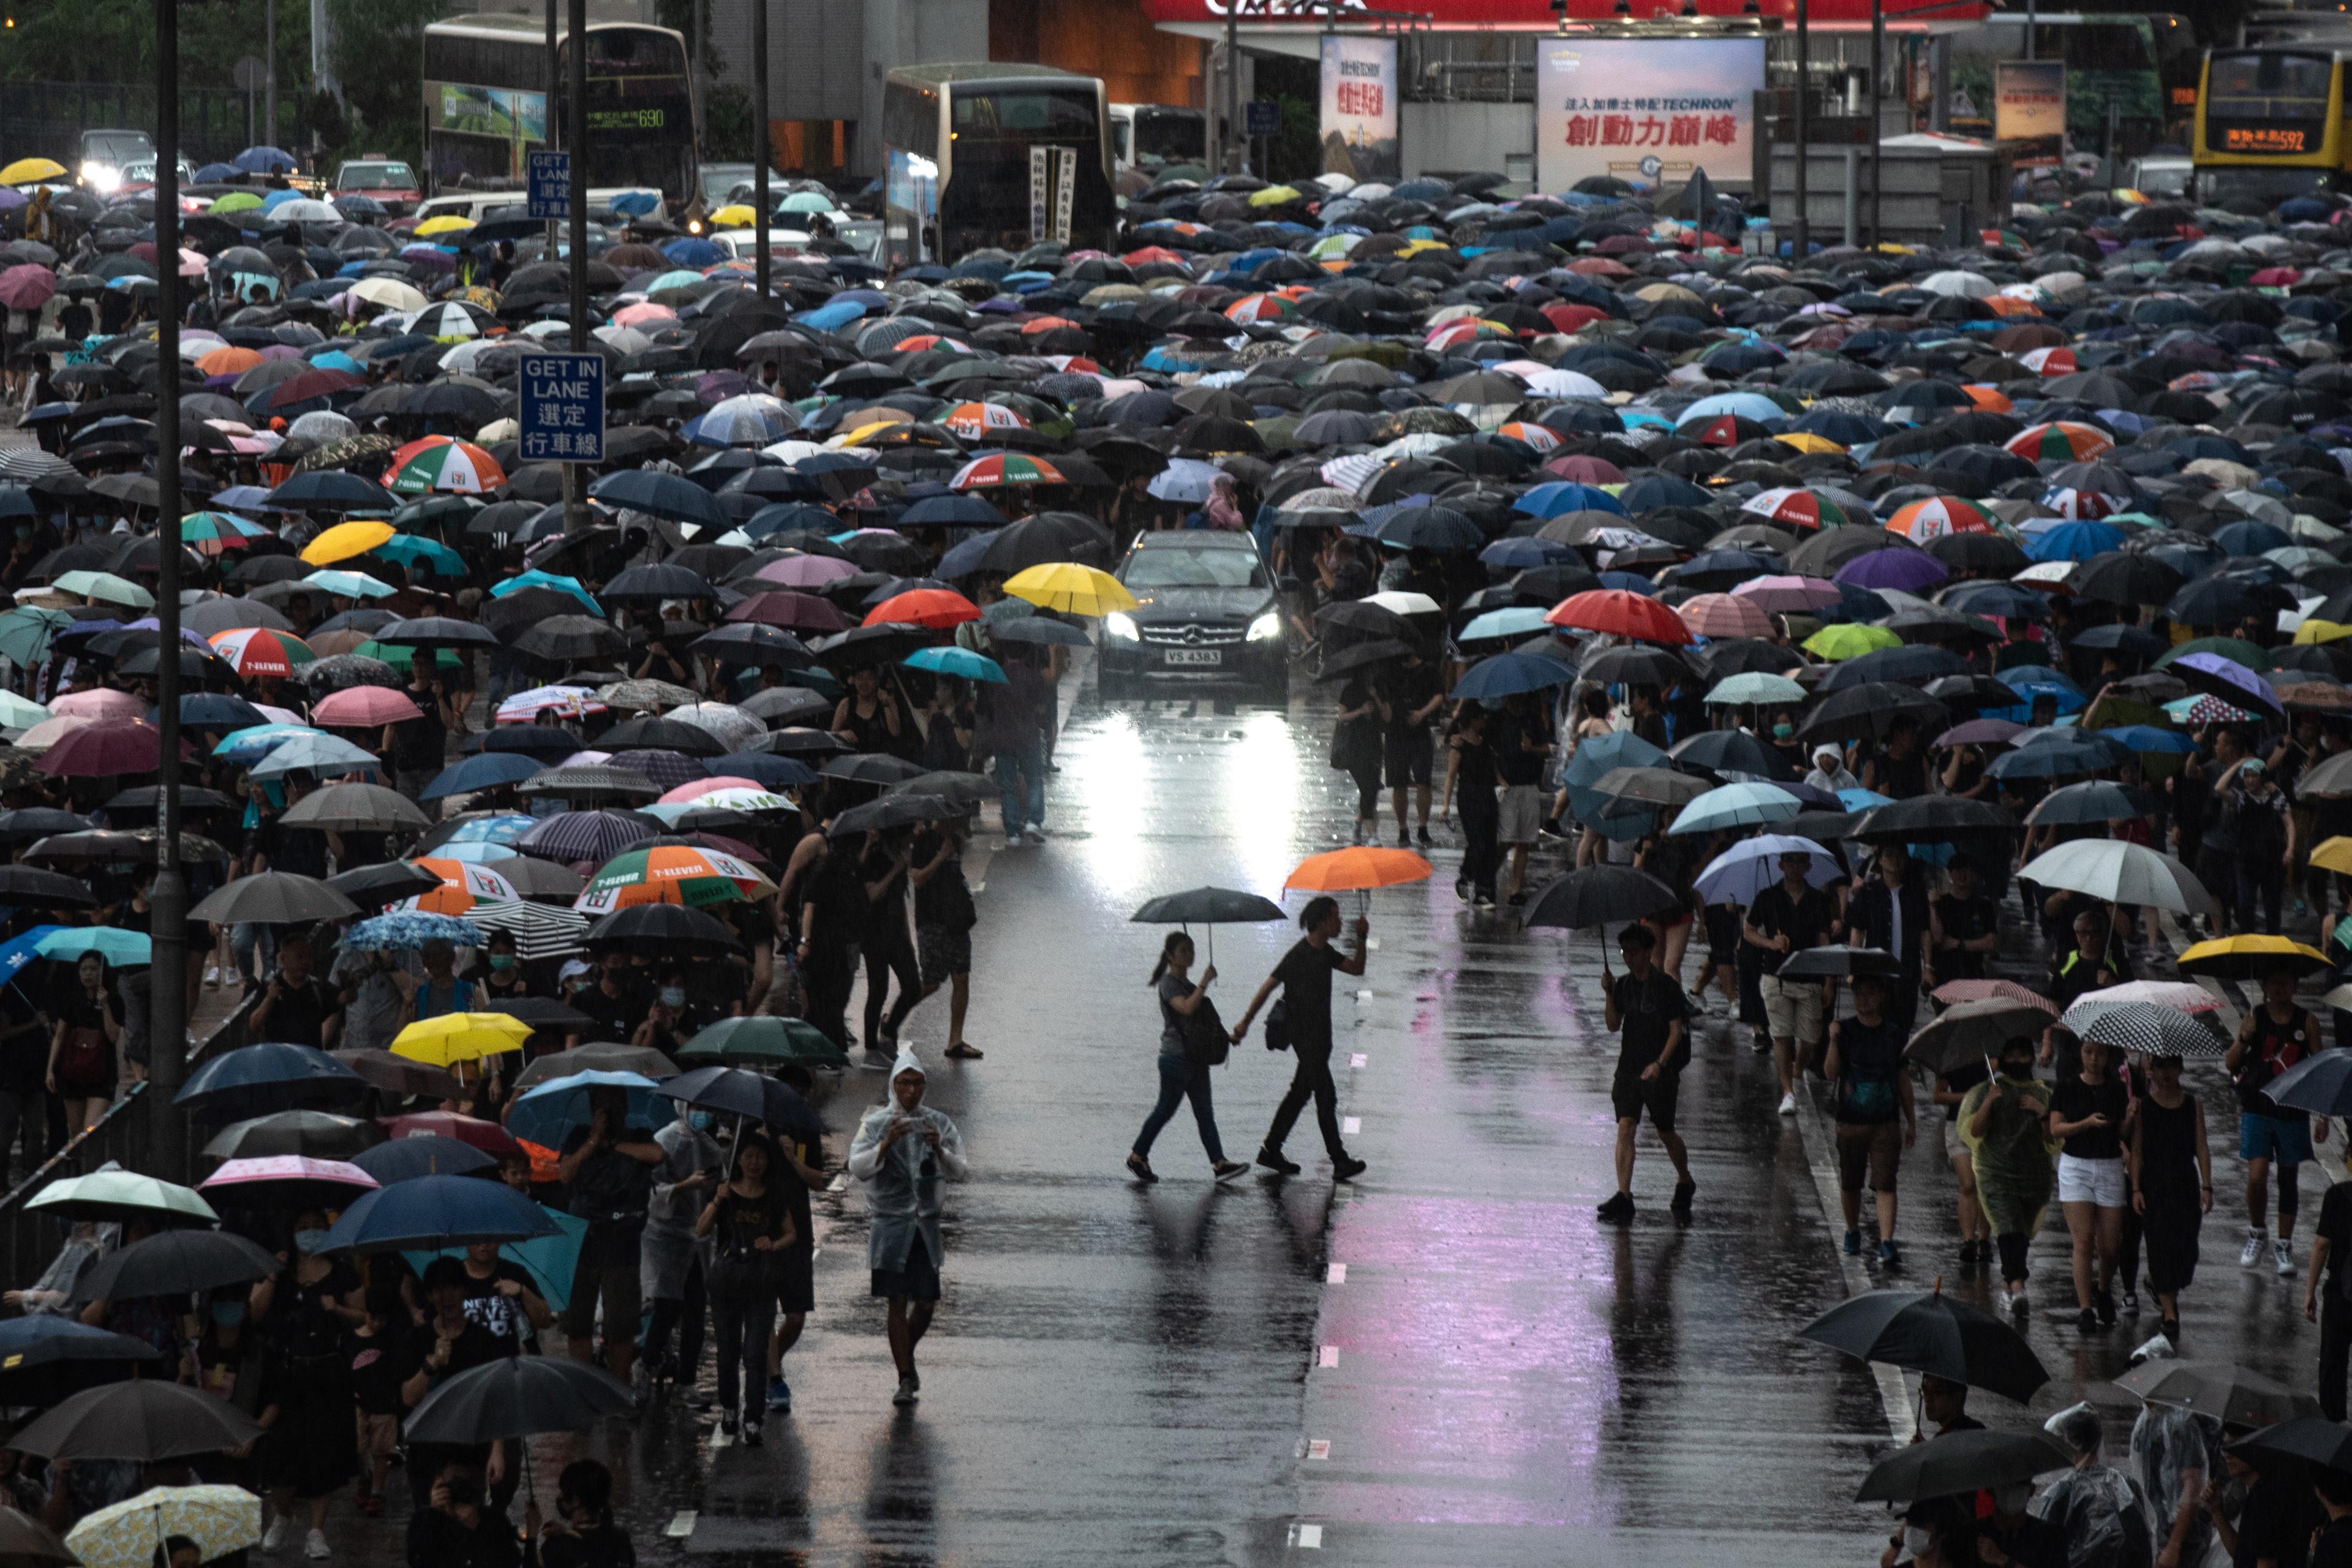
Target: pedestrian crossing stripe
x: 1351, y: 1124
x: 1339, y: 1274
x: 1329, y: 1357
x: 1306, y: 1537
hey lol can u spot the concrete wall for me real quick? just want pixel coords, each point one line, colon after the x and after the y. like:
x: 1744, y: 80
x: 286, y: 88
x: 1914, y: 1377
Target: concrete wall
x: 1461, y: 138
x: 909, y: 32
x: 816, y: 53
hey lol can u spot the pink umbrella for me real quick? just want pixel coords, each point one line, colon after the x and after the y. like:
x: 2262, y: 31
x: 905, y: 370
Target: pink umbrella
x: 99, y: 702
x: 281, y: 351
x: 806, y: 571
x: 637, y: 315
x: 364, y: 706
x: 1721, y: 616
x: 287, y: 1181
x: 107, y: 747
x: 26, y: 287
x: 1789, y: 594
x: 701, y: 787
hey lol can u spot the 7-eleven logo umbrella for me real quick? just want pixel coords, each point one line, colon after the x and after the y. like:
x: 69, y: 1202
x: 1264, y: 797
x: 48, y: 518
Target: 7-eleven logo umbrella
x: 668, y: 874
x: 444, y: 464
x: 2049, y: 361
x: 973, y: 421
x: 463, y: 885
x: 1937, y: 516
x: 999, y: 469
x: 257, y: 650
x: 2065, y: 442
x: 1803, y: 508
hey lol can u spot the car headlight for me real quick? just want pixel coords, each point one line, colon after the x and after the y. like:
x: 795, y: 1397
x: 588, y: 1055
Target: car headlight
x: 103, y: 176
x: 1120, y: 625
x: 1267, y: 627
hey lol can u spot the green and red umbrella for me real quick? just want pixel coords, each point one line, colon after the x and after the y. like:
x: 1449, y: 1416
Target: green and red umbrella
x: 444, y: 464
x: 257, y: 650
x: 2063, y: 442
x: 1802, y: 508
x: 211, y: 533
x: 973, y: 421
x: 1001, y: 469
x: 670, y: 874
x: 1937, y: 516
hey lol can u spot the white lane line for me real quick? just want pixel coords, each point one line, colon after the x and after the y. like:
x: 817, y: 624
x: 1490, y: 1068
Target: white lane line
x: 1306, y: 1537
x: 1338, y: 1275
x: 1356, y: 1058
x: 1351, y: 1124
x: 681, y: 1524
x: 1319, y: 1448
x: 1813, y: 1132
x: 1329, y: 1356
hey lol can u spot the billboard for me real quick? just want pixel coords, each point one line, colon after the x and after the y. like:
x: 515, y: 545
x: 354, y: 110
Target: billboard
x: 2029, y: 106
x: 1649, y: 111
x: 1359, y: 121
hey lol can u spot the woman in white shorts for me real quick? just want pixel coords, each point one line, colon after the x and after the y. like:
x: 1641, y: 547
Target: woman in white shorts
x: 2091, y: 1113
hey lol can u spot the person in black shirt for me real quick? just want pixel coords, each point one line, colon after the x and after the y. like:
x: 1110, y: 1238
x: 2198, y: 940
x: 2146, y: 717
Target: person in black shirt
x: 1470, y: 775
x: 1787, y: 916
x: 2091, y: 1113
x: 944, y: 917
x: 502, y: 1297
x: 1900, y: 771
x: 451, y: 1527
x: 418, y: 746
x: 447, y: 1344
x: 1889, y: 912
x: 2331, y: 1546
x: 299, y: 1008
x: 2326, y: 1300
x: 2274, y: 1036
x: 749, y: 1223
x: 1305, y: 975
x: 1646, y: 1006
x: 1410, y: 694
x: 607, y: 1167
x: 1963, y: 926
x: 1873, y: 1095
x: 617, y: 1003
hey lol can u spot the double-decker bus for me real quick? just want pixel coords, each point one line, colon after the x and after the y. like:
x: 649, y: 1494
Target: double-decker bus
x: 2270, y: 121
x: 993, y: 154
x: 487, y: 103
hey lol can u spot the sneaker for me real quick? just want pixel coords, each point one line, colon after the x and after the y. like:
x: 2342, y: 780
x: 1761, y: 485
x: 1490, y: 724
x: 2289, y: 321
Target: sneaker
x: 1226, y: 1170
x: 1618, y: 1210
x: 1761, y: 1045
x: 1426, y: 841
x: 1485, y: 900
x: 780, y: 1395
x: 2087, y: 1321
x: 726, y: 1424
x: 1462, y: 889
x: 212, y: 976
x: 1273, y: 1161
x: 2282, y: 1258
x: 1034, y: 836
x: 275, y: 1536
x: 2130, y: 1302
x: 1405, y: 839
x: 1854, y: 1244
x: 905, y: 1395
x: 2019, y: 1306
x: 1684, y: 1190
x: 315, y: 1546
x: 1889, y: 1255
x: 1140, y: 1168
x: 2104, y: 1300
x: 751, y: 1434
x: 2251, y: 1254
x: 1968, y: 1260
x: 1348, y: 1170
x: 1788, y: 1104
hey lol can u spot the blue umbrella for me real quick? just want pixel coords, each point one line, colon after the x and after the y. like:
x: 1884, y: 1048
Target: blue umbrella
x: 2053, y: 759
x: 486, y: 770
x: 423, y: 1154
x: 694, y: 252
x: 1519, y: 554
x: 2147, y: 740
x: 319, y: 754
x: 255, y: 1079
x: 115, y: 946
x: 535, y: 578
x: 477, y: 852
x: 549, y: 1260
x: 21, y: 949
x: 1618, y: 749
x: 963, y: 559
x: 2074, y: 541
x: 763, y: 768
x: 267, y: 160
x: 1508, y: 673
x: 1745, y: 404
x: 412, y: 929
x: 214, y: 710
x: 257, y: 741
x: 1737, y: 805
x: 1514, y: 621
x: 434, y: 1211
x: 957, y: 661
x: 2032, y: 680
x: 1560, y: 497
x: 504, y: 827
x: 544, y: 1115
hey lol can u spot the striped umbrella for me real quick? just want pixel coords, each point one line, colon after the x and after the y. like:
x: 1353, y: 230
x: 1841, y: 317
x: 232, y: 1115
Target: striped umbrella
x: 594, y: 835
x: 1937, y: 516
x: 443, y: 464
x: 1004, y: 469
x: 1802, y: 508
x: 2063, y: 442
x: 539, y: 931
x: 257, y: 650
x: 670, y: 874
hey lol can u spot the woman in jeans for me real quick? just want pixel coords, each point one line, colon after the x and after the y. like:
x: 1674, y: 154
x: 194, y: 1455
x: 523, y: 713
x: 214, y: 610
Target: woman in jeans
x: 1180, y: 1077
x: 2091, y: 1115
x: 750, y: 1226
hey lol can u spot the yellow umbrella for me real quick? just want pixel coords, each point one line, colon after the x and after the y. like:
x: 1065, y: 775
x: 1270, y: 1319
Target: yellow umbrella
x: 737, y: 216
x: 2315, y: 630
x: 346, y: 540
x: 2334, y: 855
x: 1067, y: 586
x: 1805, y: 442
x: 2251, y: 957
x: 455, y: 1037
x: 30, y: 170
x: 449, y: 223
x: 219, y: 1520
x: 1274, y: 195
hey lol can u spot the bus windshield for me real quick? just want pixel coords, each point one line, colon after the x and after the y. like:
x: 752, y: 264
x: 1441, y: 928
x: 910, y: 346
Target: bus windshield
x: 2268, y: 85
x: 1023, y: 115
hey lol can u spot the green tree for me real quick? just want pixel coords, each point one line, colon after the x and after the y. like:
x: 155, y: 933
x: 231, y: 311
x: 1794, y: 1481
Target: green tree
x: 379, y: 60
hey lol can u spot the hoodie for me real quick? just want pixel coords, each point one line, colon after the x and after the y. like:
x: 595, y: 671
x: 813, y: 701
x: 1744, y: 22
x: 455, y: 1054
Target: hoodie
x: 902, y: 1184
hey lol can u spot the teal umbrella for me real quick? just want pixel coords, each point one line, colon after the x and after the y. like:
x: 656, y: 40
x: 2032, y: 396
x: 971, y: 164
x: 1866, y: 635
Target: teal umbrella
x: 25, y: 634
x: 410, y: 549
x: 1737, y: 805
x: 124, y: 947
x: 1756, y: 686
x: 957, y: 661
x: 1594, y: 757
x: 351, y: 585
x: 538, y: 579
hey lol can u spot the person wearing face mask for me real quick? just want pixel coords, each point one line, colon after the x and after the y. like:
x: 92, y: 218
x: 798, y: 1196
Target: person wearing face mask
x: 673, y: 1273
x: 502, y: 978
x: 2098, y: 1509
x: 2012, y: 1535
x: 312, y: 1449
x: 1783, y: 740
x: 1937, y: 1532
x: 2005, y: 1122
x: 664, y: 1028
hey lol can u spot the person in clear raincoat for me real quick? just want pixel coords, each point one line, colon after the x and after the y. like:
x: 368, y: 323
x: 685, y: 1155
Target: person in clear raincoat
x: 2174, y: 1454
x: 59, y: 1289
x: 902, y: 1149
x: 2099, y: 1508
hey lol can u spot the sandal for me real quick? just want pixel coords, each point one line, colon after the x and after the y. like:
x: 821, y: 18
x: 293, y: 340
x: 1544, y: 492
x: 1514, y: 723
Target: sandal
x: 964, y: 1053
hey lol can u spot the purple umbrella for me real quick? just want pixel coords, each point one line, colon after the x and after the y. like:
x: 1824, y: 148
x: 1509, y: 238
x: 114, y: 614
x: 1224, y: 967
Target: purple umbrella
x: 1905, y: 571
x: 1977, y: 732
x: 12, y: 198
x: 2227, y: 679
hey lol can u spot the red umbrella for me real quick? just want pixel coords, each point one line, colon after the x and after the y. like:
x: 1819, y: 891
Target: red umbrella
x: 488, y: 1136
x: 1622, y: 612
x: 938, y: 609
x: 364, y: 706
x: 107, y: 748
x: 26, y: 287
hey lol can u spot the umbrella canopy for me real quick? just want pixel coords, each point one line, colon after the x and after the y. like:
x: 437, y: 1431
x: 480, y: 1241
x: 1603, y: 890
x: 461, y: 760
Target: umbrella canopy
x: 287, y: 1183
x: 123, y: 1194
x: 1208, y: 906
x: 147, y: 1420
x: 220, y: 1519
x: 1928, y: 1332
x: 517, y: 1396
x: 434, y: 1212
x: 1973, y: 1032
x: 2230, y: 1394
x: 1959, y: 1463
x: 764, y: 1040
x: 2116, y: 872
x: 455, y: 1037
x: 422, y: 1155
x: 316, y: 1133
x: 2154, y: 1030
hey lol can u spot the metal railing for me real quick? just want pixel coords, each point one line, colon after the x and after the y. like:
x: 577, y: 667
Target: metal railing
x: 27, y: 1240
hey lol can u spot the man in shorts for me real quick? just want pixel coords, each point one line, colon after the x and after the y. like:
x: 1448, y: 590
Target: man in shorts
x: 607, y: 1170
x: 1646, y: 1005
x: 902, y: 1150
x: 1522, y: 745
x: 1786, y: 916
x: 1410, y: 695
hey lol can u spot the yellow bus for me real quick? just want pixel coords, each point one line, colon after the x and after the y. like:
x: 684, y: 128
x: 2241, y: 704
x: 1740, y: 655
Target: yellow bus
x: 2270, y: 121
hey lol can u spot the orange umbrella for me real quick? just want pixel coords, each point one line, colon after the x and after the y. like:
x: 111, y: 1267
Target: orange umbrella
x: 463, y: 885
x: 1357, y: 870
x: 230, y: 361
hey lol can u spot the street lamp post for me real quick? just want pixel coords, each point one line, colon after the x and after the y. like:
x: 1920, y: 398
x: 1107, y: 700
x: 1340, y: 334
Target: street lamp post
x: 760, y: 196
x: 167, y: 1001
x: 575, y: 136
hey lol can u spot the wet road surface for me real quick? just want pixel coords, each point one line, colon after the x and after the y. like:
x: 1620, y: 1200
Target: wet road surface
x: 1448, y: 1362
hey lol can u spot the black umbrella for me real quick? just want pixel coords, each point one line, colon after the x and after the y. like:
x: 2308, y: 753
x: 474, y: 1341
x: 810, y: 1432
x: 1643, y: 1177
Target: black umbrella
x: 1933, y: 819
x: 1959, y: 1463
x: 1635, y: 665
x: 517, y: 1396
x: 273, y: 898
x: 1836, y: 962
x: 374, y: 887
x: 873, y: 767
x: 44, y: 1358
x: 889, y: 810
x: 2097, y: 800
x: 45, y: 889
x: 1973, y: 1032
x: 1599, y: 896
x: 2320, y: 1083
x: 1210, y: 907
x: 663, y: 928
x: 176, y: 1263
x: 26, y: 1543
x: 320, y: 1134
x: 1730, y: 751
x: 742, y: 1093
x: 1928, y: 1332
x: 2314, y: 1441
x: 541, y: 1013
x: 146, y: 1420
x: 1872, y: 710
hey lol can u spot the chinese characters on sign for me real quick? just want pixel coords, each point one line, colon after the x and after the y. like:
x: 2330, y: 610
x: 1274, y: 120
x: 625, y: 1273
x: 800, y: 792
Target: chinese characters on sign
x: 2029, y: 107
x: 549, y: 192
x: 2263, y: 139
x: 1358, y: 106
x: 562, y: 408
x: 1669, y: 107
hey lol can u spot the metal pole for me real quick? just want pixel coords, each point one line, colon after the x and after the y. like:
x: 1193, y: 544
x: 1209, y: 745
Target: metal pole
x: 167, y: 999
x: 575, y: 136
x: 269, y: 67
x: 760, y: 201
x: 1231, y: 147
x: 2029, y: 29
x: 1877, y: 109
x: 1800, y: 241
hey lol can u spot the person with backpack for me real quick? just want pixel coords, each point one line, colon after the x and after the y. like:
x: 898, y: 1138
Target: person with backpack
x: 1873, y: 1096
x: 1192, y: 1040
x: 1302, y: 1022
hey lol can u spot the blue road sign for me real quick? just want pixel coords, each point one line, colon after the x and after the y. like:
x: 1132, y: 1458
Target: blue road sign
x: 1262, y: 118
x: 550, y: 185
x: 562, y: 408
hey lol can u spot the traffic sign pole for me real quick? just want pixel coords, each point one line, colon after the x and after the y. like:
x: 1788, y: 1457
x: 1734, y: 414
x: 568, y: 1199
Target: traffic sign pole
x: 576, y: 483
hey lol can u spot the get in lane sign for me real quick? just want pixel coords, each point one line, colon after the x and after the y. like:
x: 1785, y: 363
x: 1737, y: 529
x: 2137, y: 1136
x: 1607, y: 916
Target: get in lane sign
x: 562, y: 408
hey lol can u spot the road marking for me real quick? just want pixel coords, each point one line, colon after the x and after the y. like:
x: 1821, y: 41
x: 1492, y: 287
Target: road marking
x: 1373, y: 944
x: 1815, y: 1133
x: 1363, y: 995
x: 1329, y: 1357
x: 1320, y: 1448
x: 1339, y: 1275
x: 1357, y: 1059
x: 1306, y: 1537
x: 1351, y: 1124
x: 681, y: 1524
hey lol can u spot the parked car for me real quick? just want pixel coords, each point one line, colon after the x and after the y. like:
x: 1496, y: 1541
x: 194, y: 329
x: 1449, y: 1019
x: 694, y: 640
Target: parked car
x: 1205, y: 616
x: 385, y: 180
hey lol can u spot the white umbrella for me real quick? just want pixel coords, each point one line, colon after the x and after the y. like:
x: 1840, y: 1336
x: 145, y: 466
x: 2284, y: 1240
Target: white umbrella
x: 2178, y: 994
x: 2114, y: 873
x: 219, y: 1520
x: 730, y: 725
